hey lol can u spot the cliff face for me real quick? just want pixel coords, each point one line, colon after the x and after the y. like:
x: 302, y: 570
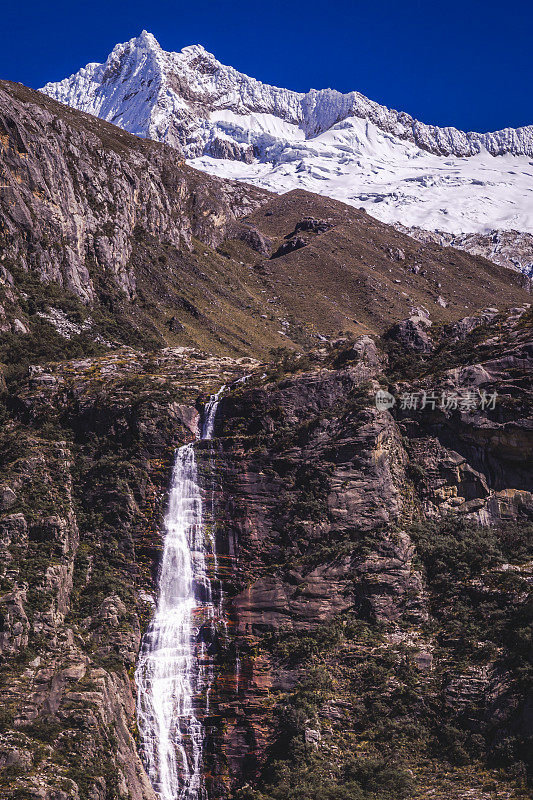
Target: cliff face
x: 376, y: 639
x: 106, y: 239
x: 376, y: 626
x: 75, y: 191
x: 86, y: 451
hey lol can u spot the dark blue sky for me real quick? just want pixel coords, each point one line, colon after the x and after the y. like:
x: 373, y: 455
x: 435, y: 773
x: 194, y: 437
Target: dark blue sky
x: 466, y: 64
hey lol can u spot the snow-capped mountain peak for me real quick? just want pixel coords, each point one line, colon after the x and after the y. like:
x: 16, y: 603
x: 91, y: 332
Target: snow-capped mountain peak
x: 342, y: 145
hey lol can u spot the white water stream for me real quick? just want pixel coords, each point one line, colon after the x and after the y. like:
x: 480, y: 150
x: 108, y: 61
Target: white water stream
x: 171, y: 676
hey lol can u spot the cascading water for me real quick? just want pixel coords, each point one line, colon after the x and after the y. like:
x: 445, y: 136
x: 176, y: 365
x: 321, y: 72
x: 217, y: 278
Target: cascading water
x: 171, y: 672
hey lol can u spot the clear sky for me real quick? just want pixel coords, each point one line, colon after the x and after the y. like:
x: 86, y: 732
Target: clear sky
x: 467, y: 64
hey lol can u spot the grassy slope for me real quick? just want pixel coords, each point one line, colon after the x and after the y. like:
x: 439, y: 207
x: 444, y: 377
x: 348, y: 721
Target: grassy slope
x: 358, y: 276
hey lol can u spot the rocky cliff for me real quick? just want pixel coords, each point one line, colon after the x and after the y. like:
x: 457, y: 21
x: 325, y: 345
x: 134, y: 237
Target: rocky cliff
x: 86, y: 449
x: 377, y: 635
x: 117, y: 223
x: 75, y: 191
x: 382, y: 636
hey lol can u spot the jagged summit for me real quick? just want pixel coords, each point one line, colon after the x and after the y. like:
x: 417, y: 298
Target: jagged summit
x: 342, y: 145
x: 204, y: 78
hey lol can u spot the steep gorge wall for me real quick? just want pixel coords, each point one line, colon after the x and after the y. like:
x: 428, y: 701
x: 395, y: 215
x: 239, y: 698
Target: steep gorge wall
x: 86, y: 450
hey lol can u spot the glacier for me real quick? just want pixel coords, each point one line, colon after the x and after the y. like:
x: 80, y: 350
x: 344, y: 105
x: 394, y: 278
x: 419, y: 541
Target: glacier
x: 345, y: 146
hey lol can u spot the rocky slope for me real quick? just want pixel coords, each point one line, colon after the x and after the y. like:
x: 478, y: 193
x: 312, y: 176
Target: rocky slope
x: 108, y: 239
x: 508, y: 248
x: 344, y: 146
x: 340, y: 269
x: 377, y: 636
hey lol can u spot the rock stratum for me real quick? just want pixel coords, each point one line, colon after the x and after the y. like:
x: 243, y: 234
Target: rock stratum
x: 376, y: 564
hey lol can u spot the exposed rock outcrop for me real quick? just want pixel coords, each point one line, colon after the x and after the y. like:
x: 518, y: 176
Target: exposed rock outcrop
x: 88, y: 450
x: 92, y: 187
x: 319, y: 499
x: 322, y: 507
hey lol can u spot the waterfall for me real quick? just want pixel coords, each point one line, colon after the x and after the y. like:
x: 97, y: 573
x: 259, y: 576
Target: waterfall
x: 171, y: 674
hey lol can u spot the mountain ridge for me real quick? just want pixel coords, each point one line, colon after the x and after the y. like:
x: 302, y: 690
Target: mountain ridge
x: 344, y: 146
x: 143, y: 249
x: 315, y: 111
